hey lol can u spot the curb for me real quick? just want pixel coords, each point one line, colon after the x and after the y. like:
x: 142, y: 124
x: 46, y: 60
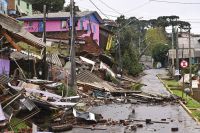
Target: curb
x: 180, y: 102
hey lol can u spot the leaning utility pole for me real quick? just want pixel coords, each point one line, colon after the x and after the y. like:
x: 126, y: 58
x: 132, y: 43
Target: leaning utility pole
x: 44, y: 40
x: 72, y: 42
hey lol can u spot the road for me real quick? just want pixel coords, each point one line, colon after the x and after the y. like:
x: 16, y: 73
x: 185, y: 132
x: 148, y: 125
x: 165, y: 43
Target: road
x: 173, y: 113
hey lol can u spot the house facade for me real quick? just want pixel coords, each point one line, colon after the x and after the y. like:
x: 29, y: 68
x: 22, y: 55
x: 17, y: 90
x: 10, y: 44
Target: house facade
x: 183, y: 48
x: 19, y: 8
x: 88, y: 21
x: 3, y: 6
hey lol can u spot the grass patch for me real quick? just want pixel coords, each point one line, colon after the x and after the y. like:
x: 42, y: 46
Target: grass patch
x: 171, y: 83
x: 191, y: 103
x: 196, y: 114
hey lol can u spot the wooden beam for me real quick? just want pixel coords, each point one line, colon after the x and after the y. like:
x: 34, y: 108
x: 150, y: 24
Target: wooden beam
x: 10, y: 40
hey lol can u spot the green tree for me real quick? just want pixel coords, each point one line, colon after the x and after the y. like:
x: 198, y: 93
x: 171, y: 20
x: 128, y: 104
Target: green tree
x: 128, y: 36
x: 52, y: 5
x: 155, y: 36
x: 159, y: 53
x: 130, y: 62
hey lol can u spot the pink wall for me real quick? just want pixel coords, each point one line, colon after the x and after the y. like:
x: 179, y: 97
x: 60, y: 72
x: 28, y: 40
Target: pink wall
x: 56, y: 26
x: 95, y: 29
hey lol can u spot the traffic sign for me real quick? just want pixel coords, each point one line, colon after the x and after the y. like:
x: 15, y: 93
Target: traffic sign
x: 184, y: 64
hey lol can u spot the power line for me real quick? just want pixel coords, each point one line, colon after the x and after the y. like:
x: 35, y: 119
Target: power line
x: 175, y: 2
x: 99, y: 9
x: 140, y: 6
x: 111, y: 7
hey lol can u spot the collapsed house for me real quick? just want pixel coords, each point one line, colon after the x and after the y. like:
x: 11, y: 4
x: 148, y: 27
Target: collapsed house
x: 16, y: 43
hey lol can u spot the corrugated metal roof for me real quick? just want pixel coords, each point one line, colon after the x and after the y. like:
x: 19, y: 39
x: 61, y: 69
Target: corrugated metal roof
x: 28, y: 104
x: 4, y: 79
x: 54, y: 59
x: 13, y: 26
x: 61, y: 15
x: 88, y: 78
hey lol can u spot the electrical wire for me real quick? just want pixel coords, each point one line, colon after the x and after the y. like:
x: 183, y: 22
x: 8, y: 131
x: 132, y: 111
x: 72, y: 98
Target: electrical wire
x: 175, y: 2
x: 140, y: 6
x: 98, y: 9
x: 111, y: 7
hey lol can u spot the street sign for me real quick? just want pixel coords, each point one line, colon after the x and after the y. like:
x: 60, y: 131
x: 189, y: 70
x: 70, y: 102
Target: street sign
x: 184, y: 64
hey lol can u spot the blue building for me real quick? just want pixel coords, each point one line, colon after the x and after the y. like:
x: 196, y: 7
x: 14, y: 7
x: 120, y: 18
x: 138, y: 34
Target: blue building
x: 3, y: 6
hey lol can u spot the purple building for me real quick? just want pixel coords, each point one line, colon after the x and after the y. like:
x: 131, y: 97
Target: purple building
x: 88, y: 21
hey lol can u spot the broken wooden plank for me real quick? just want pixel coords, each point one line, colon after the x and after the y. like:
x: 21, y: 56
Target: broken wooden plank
x: 10, y: 40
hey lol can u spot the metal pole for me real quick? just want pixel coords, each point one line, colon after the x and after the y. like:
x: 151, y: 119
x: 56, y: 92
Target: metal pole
x: 183, y: 83
x: 73, y: 64
x: 183, y: 74
x: 44, y: 40
x: 190, y: 61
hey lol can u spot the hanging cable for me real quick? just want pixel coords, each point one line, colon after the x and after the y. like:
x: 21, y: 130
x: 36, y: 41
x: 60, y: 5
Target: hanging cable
x: 111, y: 7
x: 175, y: 2
x: 98, y: 9
x: 138, y: 7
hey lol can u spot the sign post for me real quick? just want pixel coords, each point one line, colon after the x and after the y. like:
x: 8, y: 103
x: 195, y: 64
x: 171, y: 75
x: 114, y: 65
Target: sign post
x: 183, y: 64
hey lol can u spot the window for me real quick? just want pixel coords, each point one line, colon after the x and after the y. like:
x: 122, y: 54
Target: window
x: 27, y: 5
x: 63, y: 24
x: 18, y: 1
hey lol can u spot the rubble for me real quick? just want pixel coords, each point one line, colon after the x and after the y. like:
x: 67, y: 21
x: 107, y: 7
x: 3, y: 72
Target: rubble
x: 26, y: 96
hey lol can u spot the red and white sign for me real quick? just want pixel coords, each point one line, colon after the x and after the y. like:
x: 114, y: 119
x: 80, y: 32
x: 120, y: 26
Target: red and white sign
x: 184, y: 64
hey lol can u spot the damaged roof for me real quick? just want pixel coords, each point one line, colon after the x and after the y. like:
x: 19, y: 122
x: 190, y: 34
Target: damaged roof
x: 18, y: 32
x: 88, y: 78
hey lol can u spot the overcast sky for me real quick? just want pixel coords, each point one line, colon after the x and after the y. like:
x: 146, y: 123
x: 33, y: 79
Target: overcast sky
x: 146, y: 9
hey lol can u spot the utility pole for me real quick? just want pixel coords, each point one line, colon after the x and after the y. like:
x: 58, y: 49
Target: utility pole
x: 72, y: 41
x: 177, y: 54
x: 173, y: 48
x: 190, y: 61
x: 119, y: 53
x: 44, y: 40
